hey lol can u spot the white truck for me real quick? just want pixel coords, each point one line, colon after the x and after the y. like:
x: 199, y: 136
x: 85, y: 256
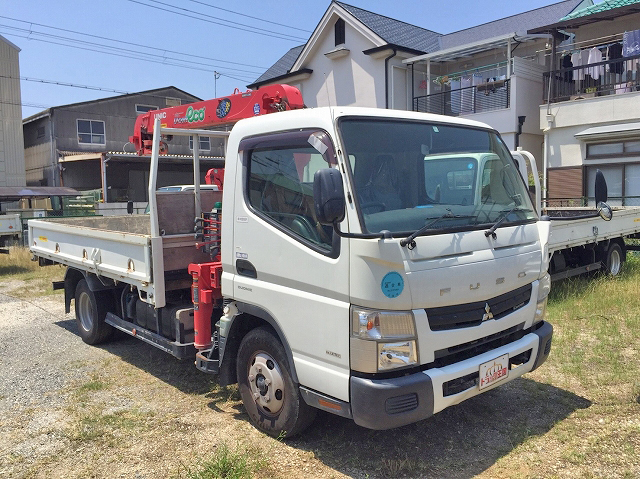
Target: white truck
x: 380, y: 265
x: 10, y: 231
x: 578, y: 241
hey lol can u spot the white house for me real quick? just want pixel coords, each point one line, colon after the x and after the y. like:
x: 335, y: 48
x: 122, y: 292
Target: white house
x: 591, y: 118
x: 492, y: 72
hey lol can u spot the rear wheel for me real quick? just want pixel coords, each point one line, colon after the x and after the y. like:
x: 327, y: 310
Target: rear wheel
x: 270, y: 396
x: 91, y: 309
x: 614, y: 259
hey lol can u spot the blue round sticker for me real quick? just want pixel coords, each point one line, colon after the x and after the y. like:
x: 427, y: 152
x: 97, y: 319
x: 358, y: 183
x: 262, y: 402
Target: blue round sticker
x: 392, y: 284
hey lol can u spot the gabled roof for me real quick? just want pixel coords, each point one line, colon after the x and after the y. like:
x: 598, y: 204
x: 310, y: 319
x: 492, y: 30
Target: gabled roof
x: 521, y: 23
x: 395, y: 32
x: 417, y: 40
x: 282, y: 66
x: 383, y: 30
x: 604, y: 6
x: 109, y: 98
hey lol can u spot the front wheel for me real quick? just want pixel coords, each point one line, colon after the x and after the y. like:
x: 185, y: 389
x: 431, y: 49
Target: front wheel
x: 91, y: 309
x: 268, y: 392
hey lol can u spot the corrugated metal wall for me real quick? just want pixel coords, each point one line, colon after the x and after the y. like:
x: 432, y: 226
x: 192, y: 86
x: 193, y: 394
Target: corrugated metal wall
x: 12, y: 171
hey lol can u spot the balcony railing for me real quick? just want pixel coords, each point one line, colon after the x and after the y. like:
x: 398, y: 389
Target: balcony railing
x: 484, y: 97
x: 609, y: 77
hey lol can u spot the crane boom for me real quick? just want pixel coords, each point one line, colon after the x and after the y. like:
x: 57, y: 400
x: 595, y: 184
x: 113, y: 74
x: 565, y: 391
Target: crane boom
x: 216, y: 112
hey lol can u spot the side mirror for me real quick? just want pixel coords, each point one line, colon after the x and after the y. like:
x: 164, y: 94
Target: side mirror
x: 605, y: 211
x: 600, y: 188
x: 328, y: 196
x: 129, y: 207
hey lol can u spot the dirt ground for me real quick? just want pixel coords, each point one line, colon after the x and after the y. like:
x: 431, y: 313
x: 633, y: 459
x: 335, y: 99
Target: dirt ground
x: 126, y: 409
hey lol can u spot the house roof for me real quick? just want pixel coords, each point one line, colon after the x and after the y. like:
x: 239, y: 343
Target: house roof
x: 100, y: 100
x: 421, y: 40
x: 606, y: 10
x: 604, y: 6
x: 395, y: 32
x: 282, y: 66
x: 521, y: 23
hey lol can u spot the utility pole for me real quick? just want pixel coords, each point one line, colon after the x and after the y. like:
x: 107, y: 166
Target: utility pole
x: 216, y: 75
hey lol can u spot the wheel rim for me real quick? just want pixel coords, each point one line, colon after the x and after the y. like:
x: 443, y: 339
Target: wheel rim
x: 266, y: 383
x: 614, y: 262
x: 85, y: 311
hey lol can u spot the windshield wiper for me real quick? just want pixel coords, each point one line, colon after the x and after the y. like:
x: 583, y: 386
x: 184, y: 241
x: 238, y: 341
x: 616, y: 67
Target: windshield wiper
x: 503, y: 216
x: 410, y: 240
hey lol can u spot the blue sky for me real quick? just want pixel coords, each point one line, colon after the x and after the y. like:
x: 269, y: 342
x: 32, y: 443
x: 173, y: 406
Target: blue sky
x: 153, y: 40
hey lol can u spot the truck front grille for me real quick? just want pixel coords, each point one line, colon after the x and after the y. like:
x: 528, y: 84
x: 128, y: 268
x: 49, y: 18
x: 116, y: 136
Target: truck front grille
x: 460, y: 352
x: 472, y: 314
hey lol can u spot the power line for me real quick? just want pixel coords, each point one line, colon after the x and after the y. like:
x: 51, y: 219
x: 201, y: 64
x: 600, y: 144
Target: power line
x: 136, y: 44
x: 249, y: 16
x: 59, y: 83
x: 250, y: 29
x: 127, y: 52
x: 124, y: 55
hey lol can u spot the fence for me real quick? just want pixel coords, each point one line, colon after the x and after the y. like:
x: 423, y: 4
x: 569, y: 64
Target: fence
x: 609, y: 77
x: 486, y: 96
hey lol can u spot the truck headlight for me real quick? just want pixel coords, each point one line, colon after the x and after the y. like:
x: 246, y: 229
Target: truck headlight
x: 544, y: 286
x: 382, y: 340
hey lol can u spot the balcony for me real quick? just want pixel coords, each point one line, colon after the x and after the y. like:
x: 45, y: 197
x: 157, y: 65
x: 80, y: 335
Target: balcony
x: 484, y: 97
x: 611, y: 77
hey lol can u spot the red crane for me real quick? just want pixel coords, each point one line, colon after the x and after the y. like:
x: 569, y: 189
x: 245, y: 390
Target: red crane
x: 219, y: 111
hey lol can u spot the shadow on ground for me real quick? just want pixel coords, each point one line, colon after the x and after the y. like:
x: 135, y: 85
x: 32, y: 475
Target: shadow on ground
x: 459, y: 442
x: 181, y: 374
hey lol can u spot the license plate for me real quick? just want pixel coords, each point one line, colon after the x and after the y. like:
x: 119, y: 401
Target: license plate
x: 493, y: 371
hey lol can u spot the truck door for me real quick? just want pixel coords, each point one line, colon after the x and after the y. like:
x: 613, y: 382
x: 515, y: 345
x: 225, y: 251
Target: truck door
x: 286, y: 263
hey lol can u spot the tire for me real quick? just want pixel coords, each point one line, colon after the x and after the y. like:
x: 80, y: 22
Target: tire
x: 613, y: 259
x: 271, y: 398
x: 91, y: 309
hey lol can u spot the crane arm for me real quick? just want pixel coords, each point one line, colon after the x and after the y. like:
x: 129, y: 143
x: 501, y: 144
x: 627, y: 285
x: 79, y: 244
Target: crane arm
x: 216, y: 112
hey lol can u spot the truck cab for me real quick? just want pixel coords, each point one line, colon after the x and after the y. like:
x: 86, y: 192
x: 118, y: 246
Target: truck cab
x: 428, y: 284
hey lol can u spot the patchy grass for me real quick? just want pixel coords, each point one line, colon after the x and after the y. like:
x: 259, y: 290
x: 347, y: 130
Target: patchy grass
x: 240, y: 462
x: 30, y: 278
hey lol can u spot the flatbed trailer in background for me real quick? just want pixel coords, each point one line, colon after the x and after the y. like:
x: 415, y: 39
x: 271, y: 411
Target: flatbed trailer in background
x: 580, y: 242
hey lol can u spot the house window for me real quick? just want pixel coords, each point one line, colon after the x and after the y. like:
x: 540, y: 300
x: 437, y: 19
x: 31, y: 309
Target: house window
x: 173, y: 101
x: 91, y: 132
x: 144, y: 108
x: 621, y: 148
x: 339, y: 32
x: 205, y: 143
x: 40, y: 132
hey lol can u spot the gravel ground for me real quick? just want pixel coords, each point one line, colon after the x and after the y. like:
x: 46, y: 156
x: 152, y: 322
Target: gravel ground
x: 128, y: 410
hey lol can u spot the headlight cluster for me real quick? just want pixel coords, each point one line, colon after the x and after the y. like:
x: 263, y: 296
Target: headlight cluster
x: 544, y: 286
x: 382, y: 340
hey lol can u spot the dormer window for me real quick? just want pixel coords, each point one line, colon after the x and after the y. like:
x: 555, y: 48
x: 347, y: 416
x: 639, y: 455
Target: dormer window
x: 339, y: 31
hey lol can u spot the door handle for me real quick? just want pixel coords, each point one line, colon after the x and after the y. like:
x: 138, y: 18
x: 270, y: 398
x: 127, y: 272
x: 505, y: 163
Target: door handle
x: 245, y: 268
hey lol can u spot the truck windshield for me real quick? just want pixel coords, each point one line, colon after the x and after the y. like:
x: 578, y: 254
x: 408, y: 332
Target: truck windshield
x: 406, y: 173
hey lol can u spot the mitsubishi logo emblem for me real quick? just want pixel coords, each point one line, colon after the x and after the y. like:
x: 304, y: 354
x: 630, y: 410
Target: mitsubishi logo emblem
x: 488, y: 314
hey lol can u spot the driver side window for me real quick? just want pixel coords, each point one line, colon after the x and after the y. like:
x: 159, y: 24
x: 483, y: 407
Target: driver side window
x: 280, y: 188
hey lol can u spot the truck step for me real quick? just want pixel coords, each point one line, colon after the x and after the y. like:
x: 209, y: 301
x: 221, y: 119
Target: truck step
x: 179, y: 350
x: 208, y: 361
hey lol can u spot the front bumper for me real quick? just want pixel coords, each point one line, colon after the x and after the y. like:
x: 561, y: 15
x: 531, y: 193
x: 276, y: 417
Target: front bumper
x: 389, y: 403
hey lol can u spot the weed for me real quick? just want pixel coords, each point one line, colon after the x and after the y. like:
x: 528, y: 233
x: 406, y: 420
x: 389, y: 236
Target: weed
x: 226, y: 463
